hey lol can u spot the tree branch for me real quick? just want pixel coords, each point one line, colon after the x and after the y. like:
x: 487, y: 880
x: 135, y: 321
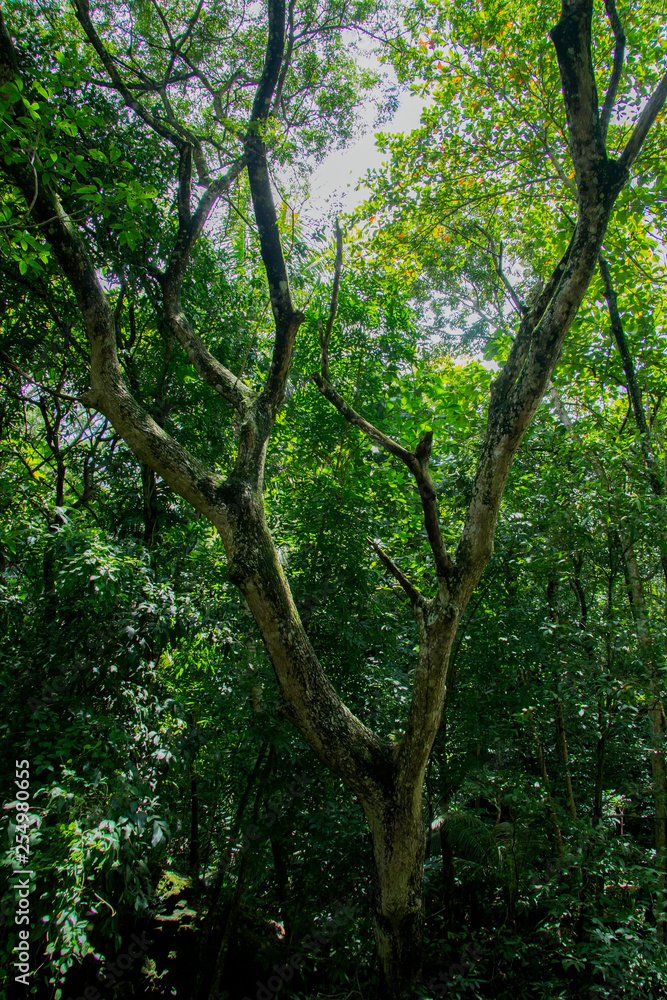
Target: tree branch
x: 573, y: 42
x: 275, y: 47
x: 287, y: 59
x: 363, y: 425
x: 417, y: 462
x: 634, y: 391
x: 644, y: 122
x: 518, y: 390
x: 213, y: 372
x: 185, y: 186
x: 190, y: 227
x: 416, y: 598
x: 515, y: 299
x: 108, y: 392
x: 287, y: 319
x: 175, y: 134
x: 511, y: 370
x: 234, y: 507
x: 617, y: 67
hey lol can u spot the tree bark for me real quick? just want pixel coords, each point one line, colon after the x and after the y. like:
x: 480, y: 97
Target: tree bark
x: 397, y: 834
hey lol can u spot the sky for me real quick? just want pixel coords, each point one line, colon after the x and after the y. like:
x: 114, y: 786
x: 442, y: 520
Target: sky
x: 334, y: 181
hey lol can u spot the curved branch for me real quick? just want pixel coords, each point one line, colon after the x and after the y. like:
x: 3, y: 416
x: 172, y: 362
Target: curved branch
x: 415, y: 597
x: 287, y: 319
x: 190, y: 228
x: 176, y: 134
x: 617, y: 67
x: 417, y: 462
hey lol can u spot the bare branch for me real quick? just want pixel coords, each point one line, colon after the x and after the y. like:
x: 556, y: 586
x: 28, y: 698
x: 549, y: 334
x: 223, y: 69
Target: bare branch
x: 634, y: 392
x: 417, y: 462
x: 617, y: 68
x: 515, y: 299
x: 427, y: 494
x: 190, y: 26
x: 174, y: 133
x: 363, y: 425
x: 56, y: 393
x: 190, y: 229
x: 416, y: 598
x: 567, y: 182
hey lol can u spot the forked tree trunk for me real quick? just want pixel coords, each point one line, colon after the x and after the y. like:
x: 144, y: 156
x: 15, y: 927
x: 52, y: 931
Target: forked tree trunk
x: 395, y: 819
x: 386, y: 779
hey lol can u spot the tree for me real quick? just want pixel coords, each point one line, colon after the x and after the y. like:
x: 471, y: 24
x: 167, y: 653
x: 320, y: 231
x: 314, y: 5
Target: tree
x: 385, y: 776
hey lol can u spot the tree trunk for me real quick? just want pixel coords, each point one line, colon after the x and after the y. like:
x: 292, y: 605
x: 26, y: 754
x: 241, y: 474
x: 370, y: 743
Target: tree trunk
x: 446, y: 853
x: 600, y: 760
x: 397, y: 900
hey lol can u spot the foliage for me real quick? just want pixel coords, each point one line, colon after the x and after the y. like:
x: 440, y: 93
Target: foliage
x: 138, y: 683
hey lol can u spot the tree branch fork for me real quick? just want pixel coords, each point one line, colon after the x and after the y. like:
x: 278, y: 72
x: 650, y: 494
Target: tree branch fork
x: 235, y: 505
